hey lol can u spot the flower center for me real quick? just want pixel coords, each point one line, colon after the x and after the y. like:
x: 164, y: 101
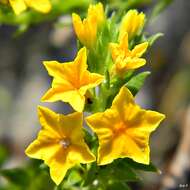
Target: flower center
x: 119, y: 128
x: 65, y: 142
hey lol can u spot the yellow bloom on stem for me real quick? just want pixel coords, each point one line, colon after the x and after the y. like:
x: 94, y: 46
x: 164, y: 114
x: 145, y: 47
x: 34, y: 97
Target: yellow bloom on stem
x: 19, y: 6
x: 124, y: 129
x: 71, y: 81
x: 60, y: 143
x: 126, y: 59
x: 86, y: 30
x: 131, y: 23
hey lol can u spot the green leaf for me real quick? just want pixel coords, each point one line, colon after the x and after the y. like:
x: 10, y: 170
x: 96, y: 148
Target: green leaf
x: 16, y: 176
x: 135, y: 83
x: 123, y: 172
x: 139, y: 166
x: 153, y: 38
x: 117, y: 172
x: 159, y: 7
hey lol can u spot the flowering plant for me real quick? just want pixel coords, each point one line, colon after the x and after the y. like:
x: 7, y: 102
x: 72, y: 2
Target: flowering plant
x: 105, y: 140
x: 101, y: 81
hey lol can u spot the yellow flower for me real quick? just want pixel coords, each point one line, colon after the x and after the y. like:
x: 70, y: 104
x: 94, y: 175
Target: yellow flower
x: 124, y: 129
x: 86, y: 30
x: 60, y: 143
x: 19, y: 6
x: 131, y: 23
x: 126, y: 59
x: 71, y: 81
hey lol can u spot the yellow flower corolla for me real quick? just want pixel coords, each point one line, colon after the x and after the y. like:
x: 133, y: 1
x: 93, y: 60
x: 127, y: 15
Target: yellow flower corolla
x: 71, y: 81
x: 124, y: 129
x: 131, y: 23
x: 60, y: 143
x: 19, y: 6
x: 86, y: 30
x: 126, y: 59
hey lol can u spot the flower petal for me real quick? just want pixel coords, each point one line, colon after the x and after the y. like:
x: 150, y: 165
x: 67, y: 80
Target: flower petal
x: 42, y: 149
x: 48, y: 120
x: 123, y: 99
x: 72, y: 126
x: 73, y: 97
x: 43, y: 6
x: 81, y: 63
x: 54, y: 68
x: 80, y: 153
x: 78, y: 27
x: 18, y: 6
x: 131, y: 23
x: 124, y: 44
x: 96, y: 12
x: 139, y: 50
x: 103, y: 125
x: 90, y: 80
x: 134, y: 63
x: 114, y: 48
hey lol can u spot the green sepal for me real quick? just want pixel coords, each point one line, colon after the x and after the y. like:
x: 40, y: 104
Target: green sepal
x: 159, y: 7
x: 152, y: 39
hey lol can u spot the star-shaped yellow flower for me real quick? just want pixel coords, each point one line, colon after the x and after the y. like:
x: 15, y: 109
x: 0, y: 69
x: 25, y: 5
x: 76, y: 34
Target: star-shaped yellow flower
x: 126, y: 59
x: 131, y: 23
x: 71, y: 81
x: 86, y: 30
x: 19, y: 6
x: 124, y: 129
x: 60, y: 143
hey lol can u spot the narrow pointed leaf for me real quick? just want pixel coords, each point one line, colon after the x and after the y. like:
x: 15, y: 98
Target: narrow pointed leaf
x: 135, y: 83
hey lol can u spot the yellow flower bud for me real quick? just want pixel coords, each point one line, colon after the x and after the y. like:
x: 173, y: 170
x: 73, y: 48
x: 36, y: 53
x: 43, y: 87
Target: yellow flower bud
x: 86, y: 30
x: 131, y: 23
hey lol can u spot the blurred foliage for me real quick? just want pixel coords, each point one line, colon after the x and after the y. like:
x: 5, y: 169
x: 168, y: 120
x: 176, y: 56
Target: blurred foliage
x: 59, y: 8
x: 35, y: 176
x: 31, y: 176
x: 29, y: 17
x: 160, y: 6
x: 3, y: 155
